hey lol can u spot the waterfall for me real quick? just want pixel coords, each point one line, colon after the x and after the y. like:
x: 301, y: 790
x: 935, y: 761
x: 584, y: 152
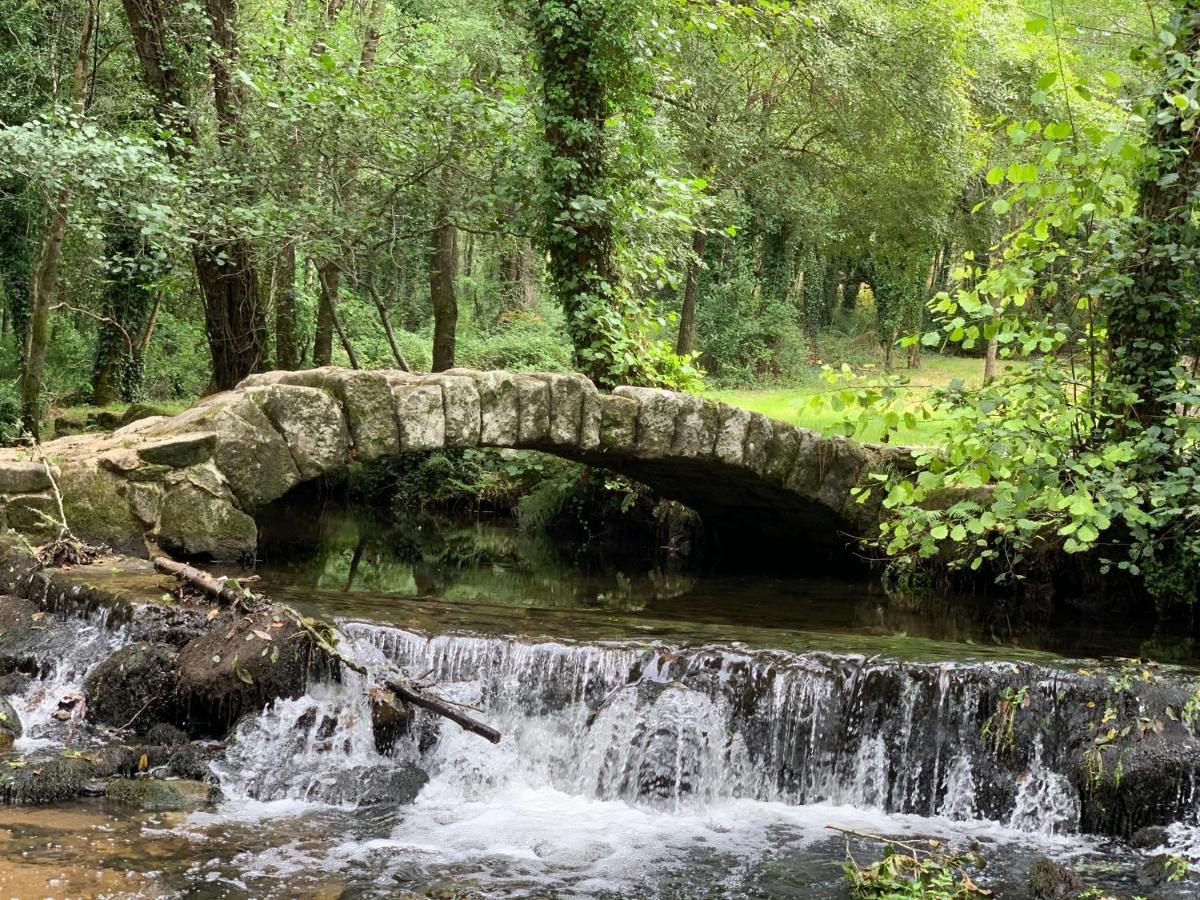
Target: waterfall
x: 672, y: 730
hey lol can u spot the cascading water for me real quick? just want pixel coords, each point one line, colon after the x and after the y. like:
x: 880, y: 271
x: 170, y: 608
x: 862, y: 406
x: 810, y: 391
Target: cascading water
x: 622, y: 759
x: 662, y: 728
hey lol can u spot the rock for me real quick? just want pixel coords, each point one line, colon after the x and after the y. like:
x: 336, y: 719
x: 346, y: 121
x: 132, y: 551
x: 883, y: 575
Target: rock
x: 189, y: 761
x: 372, y: 785
x: 618, y: 422
x: 390, y: 720
x: 312, y: 426
x: 1050, y: 881
x: 157, y: 795
x: 656, y: 419
x: 500, y: 411
x: 10, y: 725
x: 240, y: 665
x: 462, y: 410
x: 166, y: 735
x: 1148, y: 838
x: 180, y: 451
x: 13, y: 683
x: 1162, y: 868
x: 420, y: 412
x: 533, y: 402
x: 46, y: 781
x: 134, y: 688
x: 23, y: 477
x: 198, y: 524
x: 136, y: 412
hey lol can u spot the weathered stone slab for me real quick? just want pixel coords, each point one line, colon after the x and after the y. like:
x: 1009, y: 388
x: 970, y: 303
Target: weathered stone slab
x: 181, y: 451
x: 567, y: 408
x: 370, y: 412
x: 533, y: 402
x: 461, y: 405
x: 21, y: 477
x: 733, y: 424
x: 420, y: 412
x: 500, y: 409
x: 311, y: 424
x: 657, y: 410
x: 781, y: 453
x: 618, y: 422
x: 758, y: 443
x: 695, y: 427
x: 806, y: 475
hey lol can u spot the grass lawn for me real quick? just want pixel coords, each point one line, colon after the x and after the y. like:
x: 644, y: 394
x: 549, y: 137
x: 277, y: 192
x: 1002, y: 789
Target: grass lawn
x: 789, y: 404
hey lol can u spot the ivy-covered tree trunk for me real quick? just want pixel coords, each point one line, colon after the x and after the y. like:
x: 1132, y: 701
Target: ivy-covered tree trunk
x: 44, y: 286
x: 691, y: 289
x: 1145, y: 317
x: 287, y: 339
x: 583, y: 52
x: 117, y: 373
x: 15, y: 262
x: 778, y: 264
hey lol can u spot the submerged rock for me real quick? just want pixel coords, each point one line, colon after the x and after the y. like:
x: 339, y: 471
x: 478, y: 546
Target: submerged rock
x: 372, y: 786
x: 1050, y: 881
x: 158, y: 795
x: 1148, y: 838
x: 134, y: 688
x: 46, y: 781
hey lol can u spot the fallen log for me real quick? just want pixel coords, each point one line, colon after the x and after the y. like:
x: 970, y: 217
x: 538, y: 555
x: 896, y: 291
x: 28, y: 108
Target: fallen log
x: 321, y: 632
x: 217, y: 588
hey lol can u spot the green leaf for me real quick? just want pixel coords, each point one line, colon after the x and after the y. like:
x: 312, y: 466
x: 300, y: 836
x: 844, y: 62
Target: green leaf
x: 1111, y: 78
x: 995, y: 175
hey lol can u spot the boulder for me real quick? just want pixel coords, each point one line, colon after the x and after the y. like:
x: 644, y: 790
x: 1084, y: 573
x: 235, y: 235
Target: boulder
x: 390, y: 720
x: 372, y: 785
x: 243, y: 662
x: 134, y: 688
x: 10, y: 725
x: 1148, y: 838
x: 1050, y: 881
x: 312, y: 426
x: 159, y: 795
x: 51, y: 780
x: 199, y: 524
x: 23, y: 477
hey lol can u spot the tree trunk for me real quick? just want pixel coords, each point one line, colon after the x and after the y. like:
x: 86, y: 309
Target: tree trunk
x: 287, y: 341
x: 691, y: 287
x: 330, y: 277
x: 225, y: 270
x: 44, y: 287
x: 386, y: 321
x: 520, y: 291
x: 129, y: 298
x: 233, y: 313
x: 441, y: 291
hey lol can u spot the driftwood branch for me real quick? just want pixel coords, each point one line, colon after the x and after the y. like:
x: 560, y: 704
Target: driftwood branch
x: 217, y: 588
x: 224, y: 594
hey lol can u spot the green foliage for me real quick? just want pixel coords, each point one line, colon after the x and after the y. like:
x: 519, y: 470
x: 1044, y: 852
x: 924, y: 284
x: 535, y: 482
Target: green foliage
x: 916, y: 869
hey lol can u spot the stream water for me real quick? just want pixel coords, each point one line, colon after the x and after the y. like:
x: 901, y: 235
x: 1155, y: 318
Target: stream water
x: 666, y: 734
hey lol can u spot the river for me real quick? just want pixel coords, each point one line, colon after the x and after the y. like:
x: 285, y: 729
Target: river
x: 668, y: 732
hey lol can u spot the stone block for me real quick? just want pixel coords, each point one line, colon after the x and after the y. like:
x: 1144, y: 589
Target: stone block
x: 657, y: 411
x: 22, y: 476
x: 533, y: 403
x: 733, y: 425
x: 462, y: 409
x: 500, y: 409
x: 181, y: 451
x: 311, y: 423
x: 421, y: 415
x: 618, y: 422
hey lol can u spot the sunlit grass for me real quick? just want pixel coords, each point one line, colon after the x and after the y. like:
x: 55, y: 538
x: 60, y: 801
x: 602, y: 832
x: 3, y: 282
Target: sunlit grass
x: 792, y: 404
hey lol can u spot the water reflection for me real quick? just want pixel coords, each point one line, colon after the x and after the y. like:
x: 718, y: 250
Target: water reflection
x: 442, y: 572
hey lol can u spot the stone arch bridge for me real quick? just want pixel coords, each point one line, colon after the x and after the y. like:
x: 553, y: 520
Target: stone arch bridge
x: 190, y: 484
